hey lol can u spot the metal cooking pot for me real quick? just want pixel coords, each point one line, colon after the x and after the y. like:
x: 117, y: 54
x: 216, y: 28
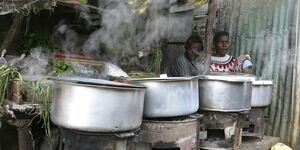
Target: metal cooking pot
x: 94, y: 105
x: 225, y: 92
x: 170, y: 97
x: 261, y: 93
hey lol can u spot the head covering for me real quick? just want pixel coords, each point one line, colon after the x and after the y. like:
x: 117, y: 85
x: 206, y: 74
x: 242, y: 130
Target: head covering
x: 247, y: 63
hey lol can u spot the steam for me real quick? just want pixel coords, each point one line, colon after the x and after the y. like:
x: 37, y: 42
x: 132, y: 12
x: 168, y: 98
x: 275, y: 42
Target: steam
x: 121, y: 32
x: 33, y: 65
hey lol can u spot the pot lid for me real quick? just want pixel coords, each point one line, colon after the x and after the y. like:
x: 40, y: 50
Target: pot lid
x: 164, y: 79
x: 92, y: 81
x: 263, y: 82
x: 228, y: 76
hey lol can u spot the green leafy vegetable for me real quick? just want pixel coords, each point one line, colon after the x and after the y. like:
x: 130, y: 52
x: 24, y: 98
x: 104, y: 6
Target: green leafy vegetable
x: 61, y: 67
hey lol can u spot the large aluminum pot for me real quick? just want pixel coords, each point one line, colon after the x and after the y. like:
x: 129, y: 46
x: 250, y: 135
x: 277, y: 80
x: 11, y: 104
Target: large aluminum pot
x: 94, y: 105
x: 170, y: 97
x: 225, y: 92
x: 261, y: 93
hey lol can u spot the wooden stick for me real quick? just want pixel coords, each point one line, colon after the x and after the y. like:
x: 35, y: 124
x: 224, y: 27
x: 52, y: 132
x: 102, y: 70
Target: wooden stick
x: 13, y: 30
x: 212, y: 10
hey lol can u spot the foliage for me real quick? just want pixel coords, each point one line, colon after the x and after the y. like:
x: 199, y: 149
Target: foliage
x: 34, y: 40
x: 44, y: 5
x: 155, y: 60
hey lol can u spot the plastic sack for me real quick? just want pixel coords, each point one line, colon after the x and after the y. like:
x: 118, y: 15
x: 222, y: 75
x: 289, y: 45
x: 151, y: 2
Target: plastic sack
x: 113, y: 70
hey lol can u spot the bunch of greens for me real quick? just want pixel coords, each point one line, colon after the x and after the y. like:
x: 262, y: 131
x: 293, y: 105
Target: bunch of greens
x: 34, y: 40
x: 155, y: 60
x: 7, y: 73
x: 42, y: 94
x: 61, y: 67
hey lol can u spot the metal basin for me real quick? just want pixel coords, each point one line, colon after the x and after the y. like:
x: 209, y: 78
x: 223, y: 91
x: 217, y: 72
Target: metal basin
x: 170, y: 97
x: 94, y: 105
x: 261, y: 93
x: 225, y: 92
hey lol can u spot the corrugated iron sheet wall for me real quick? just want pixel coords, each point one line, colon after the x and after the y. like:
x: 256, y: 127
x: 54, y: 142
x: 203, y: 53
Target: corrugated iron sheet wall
x: 266, y: 31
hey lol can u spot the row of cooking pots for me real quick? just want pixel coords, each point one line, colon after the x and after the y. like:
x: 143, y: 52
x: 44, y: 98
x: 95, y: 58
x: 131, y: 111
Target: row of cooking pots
x: 95, y: 105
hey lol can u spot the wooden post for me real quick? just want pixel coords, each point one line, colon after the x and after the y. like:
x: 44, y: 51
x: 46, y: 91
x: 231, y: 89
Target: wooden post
x: 13, y: 30
x: 238, y: 132
x: 212, y: 10
x: 24, y: 138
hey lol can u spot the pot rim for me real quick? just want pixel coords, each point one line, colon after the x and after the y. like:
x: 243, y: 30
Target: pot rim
x: 95, y: 82
x: 102, y: 86
x: 263, y: 82
x: 225, y: 76
x: 168, y: 79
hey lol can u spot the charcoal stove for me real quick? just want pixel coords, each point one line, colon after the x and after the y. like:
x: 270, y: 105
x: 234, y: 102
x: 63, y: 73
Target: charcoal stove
x: 224, y: 129
x: 255, y: 124
x: 171, y: 133
x: 261, y: 99
x: 78, y: 140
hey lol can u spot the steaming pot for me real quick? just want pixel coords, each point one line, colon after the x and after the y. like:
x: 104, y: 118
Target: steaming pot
x: 170, y: 97
x: 261, y: 93
x: 95, y: 105
x: 225, y: 92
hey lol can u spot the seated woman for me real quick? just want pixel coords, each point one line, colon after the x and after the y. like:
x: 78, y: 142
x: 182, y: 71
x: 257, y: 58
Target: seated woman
x: 186, y: 64
x: 221, y: 61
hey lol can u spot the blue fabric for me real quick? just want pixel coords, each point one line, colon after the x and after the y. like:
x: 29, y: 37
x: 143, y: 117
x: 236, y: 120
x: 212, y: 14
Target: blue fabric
x: 247, y: 63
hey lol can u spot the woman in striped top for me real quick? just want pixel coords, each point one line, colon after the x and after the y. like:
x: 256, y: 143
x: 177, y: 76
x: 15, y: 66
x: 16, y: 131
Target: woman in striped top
x: 186, y: 64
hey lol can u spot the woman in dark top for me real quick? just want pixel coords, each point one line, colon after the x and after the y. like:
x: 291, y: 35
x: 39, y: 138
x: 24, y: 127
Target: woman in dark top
x: 187, y: 64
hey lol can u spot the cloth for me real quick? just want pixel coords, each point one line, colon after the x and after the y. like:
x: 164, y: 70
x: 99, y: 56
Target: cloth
x: 247, y: 63
x: 182, y: 66
x: 240, y: 62
x: 223, y: 64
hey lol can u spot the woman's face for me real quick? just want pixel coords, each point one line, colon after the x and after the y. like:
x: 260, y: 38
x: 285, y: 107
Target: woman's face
x: 222, y: 45
x: 195, y: 51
